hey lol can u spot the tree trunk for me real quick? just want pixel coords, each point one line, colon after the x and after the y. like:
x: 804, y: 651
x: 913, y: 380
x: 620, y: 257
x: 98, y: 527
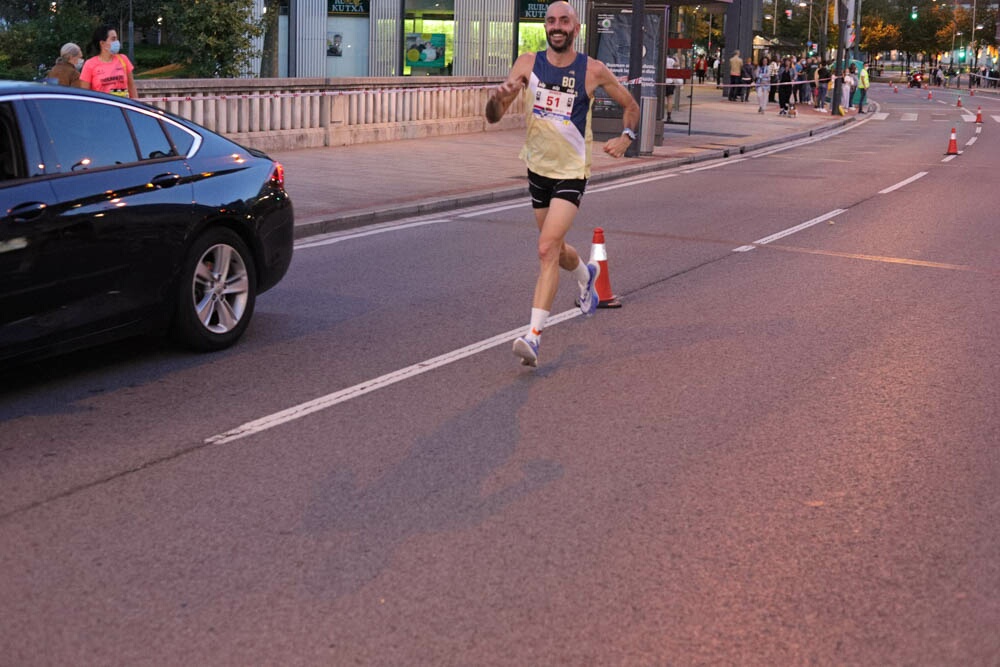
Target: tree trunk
x: 269, y: 52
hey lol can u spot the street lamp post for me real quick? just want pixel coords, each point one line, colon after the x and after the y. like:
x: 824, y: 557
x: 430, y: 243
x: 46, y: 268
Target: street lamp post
x: 972, y: 39
x: 131, y: 34
x: 826, y: 29
x: 809, y: 27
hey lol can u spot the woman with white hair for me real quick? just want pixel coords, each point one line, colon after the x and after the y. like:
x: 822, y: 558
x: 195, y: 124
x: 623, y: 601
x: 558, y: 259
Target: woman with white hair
x: 68, y: 65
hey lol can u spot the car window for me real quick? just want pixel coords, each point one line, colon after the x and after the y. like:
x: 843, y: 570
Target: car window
x: 11, y: 162
x: 182, y: 139
x: 153, y: 143
x: 85, y: 135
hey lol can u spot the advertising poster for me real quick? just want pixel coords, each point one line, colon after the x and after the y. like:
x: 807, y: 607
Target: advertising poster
x: 425, y: 50
x: 334, y: 44
x: 614, y: 39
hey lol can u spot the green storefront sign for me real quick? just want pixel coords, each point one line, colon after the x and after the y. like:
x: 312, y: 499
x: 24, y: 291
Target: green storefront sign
x: 349, y: 7
x: 534, y: 10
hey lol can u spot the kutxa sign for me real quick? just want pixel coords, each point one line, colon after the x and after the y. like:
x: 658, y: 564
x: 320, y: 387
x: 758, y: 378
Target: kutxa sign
x: 534, y: 10
x: 355, y: 7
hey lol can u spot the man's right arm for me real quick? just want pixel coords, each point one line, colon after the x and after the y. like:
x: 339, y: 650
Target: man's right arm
x: 503, y: 95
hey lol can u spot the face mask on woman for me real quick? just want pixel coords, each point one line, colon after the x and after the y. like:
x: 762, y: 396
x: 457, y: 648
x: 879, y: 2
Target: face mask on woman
x: 116, y: 46
x: 79, y: 65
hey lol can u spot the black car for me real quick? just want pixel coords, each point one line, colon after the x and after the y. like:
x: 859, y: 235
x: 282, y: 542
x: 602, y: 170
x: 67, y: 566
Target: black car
x: 117, y: 218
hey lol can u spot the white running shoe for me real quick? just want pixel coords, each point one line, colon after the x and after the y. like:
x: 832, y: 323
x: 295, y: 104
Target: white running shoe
x: 527, y: 349
x: 589, y: 298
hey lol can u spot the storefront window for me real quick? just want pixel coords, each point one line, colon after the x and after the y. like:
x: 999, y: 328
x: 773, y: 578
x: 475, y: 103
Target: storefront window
x: 428, y: 37
x: 530, y: 37
x: 347, y: 38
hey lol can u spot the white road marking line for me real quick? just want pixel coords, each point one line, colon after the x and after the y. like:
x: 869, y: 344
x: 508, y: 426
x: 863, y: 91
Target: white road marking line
x: 902, y: 183
x: 979, y: 128
x: 496, y: 209
x: 881, y: 115
x: 344, y: 395
x: 908, y: 117
x: 969, y: 119
x: 371, y: 231
x: 971, y: 141
x: 791, y: 230
x: 649, y: 179
x: 996, y: 118
x: 949, y: 158
x: 714, y: 165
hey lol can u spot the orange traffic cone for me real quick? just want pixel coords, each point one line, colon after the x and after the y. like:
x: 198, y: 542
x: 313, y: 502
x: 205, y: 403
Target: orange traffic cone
x: 979, y: 115
x: 952, y: 144
x: 972, y: 92
x: 599, y: 254
x: 959, y: 103
x: 895, y: 89
x: 930, y: 94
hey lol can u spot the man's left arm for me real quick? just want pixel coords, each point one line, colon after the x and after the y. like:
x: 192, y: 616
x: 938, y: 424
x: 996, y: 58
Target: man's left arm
x: 630, y: 117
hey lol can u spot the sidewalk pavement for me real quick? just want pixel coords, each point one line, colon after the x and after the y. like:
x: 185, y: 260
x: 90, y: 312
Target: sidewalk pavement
x: 340, y: 187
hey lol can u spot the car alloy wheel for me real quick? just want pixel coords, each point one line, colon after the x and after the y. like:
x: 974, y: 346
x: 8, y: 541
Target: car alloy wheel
x: 218, y: 291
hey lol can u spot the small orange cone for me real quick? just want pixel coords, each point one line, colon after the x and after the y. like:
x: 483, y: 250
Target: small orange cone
x: 930, y: 94
x: 959, y: 103
x: 972, y: 92
x: 895, y: 89
x: 979, y: 115
x: 599, y: 254
x: 952, y: 144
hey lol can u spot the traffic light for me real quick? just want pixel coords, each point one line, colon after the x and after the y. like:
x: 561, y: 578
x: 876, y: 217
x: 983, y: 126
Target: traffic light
x: 913, y: 12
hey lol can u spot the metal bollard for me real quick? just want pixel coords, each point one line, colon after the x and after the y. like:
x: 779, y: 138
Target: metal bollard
x: 647, y: 126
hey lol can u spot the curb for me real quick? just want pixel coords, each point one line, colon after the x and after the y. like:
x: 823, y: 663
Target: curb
x: 355, y: 219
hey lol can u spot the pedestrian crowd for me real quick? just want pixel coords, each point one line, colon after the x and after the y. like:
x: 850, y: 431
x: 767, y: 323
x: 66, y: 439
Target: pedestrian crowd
x: 795, y: 81
x: 981, y: 77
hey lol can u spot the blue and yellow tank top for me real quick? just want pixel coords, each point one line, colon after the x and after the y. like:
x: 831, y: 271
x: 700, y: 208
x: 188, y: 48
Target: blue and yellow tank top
x: 559, y: 134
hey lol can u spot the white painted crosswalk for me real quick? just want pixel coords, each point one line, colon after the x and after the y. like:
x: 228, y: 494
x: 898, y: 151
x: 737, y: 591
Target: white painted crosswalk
x: 910, y: 117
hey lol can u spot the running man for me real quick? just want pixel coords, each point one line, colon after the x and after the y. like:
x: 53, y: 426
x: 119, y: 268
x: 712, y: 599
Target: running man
x: 557, y: 153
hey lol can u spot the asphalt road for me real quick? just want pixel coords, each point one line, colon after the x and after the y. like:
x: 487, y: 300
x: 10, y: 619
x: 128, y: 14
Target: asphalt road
x: 782, y: 450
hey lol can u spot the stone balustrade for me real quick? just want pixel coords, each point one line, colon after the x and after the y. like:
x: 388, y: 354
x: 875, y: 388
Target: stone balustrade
x: 287, y: 114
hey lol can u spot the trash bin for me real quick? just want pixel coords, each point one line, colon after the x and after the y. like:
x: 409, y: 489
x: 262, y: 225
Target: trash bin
x: 647, y: 126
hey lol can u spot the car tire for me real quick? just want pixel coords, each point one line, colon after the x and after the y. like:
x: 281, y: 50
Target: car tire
x: 216, y: 291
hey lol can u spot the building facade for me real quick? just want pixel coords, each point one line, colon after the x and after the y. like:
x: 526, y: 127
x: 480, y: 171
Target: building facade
x: 384, y: 38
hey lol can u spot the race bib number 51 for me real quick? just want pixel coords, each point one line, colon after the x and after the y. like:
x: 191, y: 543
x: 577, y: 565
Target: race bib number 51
x: 554, y: 104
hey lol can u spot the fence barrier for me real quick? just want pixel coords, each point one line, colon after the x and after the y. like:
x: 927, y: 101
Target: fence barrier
x: 286, y: 114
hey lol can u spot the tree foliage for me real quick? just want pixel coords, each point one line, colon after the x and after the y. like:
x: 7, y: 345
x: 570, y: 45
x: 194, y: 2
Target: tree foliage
x: 32, y: 34
x: 878, y: 35
x: 215, y: 37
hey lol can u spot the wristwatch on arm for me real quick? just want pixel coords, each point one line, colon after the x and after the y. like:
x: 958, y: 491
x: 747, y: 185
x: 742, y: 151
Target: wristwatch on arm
x: 629, y: 132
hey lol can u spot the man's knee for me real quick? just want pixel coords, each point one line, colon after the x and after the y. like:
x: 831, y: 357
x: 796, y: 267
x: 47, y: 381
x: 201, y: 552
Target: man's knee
x: 550, y: 250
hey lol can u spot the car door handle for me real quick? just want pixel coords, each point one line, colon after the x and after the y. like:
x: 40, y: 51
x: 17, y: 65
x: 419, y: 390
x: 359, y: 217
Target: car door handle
x: 166, y: 180
x: 27, y: 211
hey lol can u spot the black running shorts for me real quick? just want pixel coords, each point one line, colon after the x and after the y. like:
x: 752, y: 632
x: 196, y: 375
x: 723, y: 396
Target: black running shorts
x: 544, y: 190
